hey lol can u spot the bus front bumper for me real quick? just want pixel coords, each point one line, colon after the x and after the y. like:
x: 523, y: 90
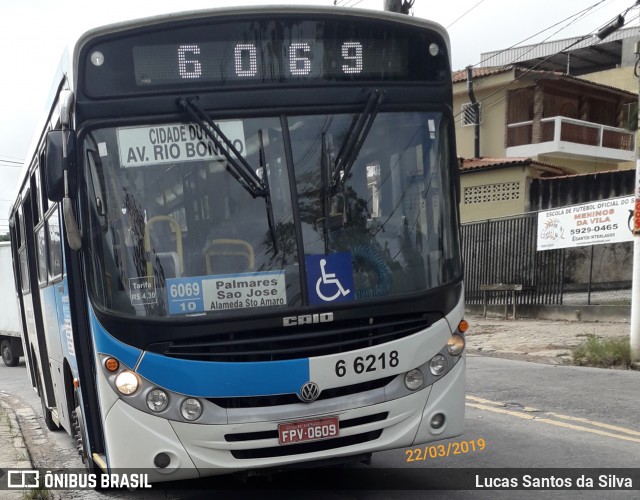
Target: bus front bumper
x: 135, y: 439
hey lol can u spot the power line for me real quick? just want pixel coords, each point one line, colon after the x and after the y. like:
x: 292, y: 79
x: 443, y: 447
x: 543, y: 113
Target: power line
x: 458, y: 19
x: 580, y: 13
x: 11, y: 158
x: 500, y: 98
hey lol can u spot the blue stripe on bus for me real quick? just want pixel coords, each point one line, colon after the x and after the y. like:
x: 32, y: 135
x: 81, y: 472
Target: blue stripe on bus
x: 107, y: 344
x: 205, y: 378
x: 208, y: 379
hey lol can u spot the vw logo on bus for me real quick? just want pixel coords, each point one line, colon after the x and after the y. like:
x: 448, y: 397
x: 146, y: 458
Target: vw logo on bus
x: 309, y: 392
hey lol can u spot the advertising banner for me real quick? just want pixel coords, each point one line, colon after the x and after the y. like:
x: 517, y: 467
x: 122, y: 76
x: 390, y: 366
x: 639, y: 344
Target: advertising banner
x: 603, y: 221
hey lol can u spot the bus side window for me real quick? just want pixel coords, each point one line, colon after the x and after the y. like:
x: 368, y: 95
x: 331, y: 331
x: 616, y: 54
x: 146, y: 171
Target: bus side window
x: 24, y: 270
x: 55, y: 246
x: 36, y: 198
x: 42, y: 254
x: 22, y: 252
x: 43, y: 185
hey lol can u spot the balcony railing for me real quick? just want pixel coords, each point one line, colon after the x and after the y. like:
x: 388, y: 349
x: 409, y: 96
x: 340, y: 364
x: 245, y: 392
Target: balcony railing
x: 571, y: 137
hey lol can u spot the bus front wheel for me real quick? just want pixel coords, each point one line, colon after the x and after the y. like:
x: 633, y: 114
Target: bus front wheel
x: 82, y: 442
x: 80, y: 435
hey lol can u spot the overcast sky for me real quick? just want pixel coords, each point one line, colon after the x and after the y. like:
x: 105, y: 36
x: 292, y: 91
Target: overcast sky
x: 33, y: 34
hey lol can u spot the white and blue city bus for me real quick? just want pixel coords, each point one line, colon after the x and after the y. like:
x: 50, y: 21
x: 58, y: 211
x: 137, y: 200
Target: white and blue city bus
x: 236, y: 241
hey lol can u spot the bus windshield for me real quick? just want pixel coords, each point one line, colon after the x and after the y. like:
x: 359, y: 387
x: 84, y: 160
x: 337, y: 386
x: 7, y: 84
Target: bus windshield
x: 174, y: 230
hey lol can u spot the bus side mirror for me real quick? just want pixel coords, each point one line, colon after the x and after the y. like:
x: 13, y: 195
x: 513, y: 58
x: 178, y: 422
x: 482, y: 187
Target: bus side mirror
x: 55, y: 163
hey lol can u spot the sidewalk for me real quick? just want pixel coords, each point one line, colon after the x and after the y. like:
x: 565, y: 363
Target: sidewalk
x: 543, y: 341
x: 13, y: 451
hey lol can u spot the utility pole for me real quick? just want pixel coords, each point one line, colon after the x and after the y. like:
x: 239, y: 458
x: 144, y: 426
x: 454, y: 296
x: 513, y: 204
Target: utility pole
x: 401, y: 6
x: 634, y: 336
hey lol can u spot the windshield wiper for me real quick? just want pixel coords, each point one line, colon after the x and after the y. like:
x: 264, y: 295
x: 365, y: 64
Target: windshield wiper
x: 267, y: 198
x: 237, y: 166
x: 353, y: 142
x: 326, y: 197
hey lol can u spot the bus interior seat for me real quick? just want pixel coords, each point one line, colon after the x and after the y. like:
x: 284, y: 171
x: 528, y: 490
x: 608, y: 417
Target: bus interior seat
x: 225, y: 255
x: 171, y: 262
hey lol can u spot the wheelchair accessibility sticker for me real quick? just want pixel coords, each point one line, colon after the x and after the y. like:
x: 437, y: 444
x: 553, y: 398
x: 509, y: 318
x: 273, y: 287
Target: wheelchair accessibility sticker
x: 329, y: 278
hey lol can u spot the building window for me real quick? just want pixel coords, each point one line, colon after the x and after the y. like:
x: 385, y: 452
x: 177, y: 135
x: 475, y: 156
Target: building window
x: 504, y: 191
x: 469, y: 114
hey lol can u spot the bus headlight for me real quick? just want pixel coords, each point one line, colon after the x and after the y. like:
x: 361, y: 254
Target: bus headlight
x: 413, y: 379
x: 455, y: 345
x: 191, y: 409
x: 127, y: 382
x: 438, y: 365
x: 157, y: 400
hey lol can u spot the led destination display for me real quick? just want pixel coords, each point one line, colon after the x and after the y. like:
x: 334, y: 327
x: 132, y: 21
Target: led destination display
x: 268, y: 61
x: 263, y: 51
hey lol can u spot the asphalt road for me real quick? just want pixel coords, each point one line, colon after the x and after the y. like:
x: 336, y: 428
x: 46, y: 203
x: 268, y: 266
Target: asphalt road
x: 518, y: 415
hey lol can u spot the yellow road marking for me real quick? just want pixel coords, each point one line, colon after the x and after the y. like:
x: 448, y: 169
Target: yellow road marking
x: 518, y: 414
x: 498, y: 403
x: 597, y: 424
x: 485, y: 401
x: 493, y: 406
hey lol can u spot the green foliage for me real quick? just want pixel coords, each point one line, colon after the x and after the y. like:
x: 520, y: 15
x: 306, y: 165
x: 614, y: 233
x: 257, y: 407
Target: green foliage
x: 603, y: 353
x: 38, y: 494
x: 4, y: 237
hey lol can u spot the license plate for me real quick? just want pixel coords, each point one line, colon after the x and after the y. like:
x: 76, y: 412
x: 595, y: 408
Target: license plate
x: 308, y: 430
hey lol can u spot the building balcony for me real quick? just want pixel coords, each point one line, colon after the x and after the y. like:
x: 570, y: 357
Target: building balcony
x: 569, y: 138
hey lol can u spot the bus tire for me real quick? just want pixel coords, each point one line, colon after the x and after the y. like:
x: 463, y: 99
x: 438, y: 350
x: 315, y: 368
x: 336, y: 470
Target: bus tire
x: 80, y: 435
x: 7, y: 354
x: 77, y: 424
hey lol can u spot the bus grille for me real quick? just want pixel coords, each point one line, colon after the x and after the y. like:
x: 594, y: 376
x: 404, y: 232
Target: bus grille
x: 288, y: 399
x: 297, y: 342
x: 298, y: 449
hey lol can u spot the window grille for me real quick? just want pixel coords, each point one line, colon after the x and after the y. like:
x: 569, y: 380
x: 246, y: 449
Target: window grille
x: 487, y: 193
x: 469, y: 114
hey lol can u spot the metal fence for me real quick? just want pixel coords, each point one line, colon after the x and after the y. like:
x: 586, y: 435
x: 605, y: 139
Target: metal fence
x: 504, y: 251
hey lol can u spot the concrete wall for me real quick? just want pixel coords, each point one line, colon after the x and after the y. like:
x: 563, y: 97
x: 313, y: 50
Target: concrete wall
x: 493, y: 113
x: 621, y: 78
x: 618, y: 314
x: 493, y: 185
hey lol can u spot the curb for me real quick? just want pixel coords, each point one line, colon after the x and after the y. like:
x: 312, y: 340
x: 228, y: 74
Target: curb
x: 10, y: 427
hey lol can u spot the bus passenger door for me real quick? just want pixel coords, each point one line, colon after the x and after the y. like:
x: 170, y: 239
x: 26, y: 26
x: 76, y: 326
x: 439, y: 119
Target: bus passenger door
x: 21, y: 276
x: 33, y: 311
